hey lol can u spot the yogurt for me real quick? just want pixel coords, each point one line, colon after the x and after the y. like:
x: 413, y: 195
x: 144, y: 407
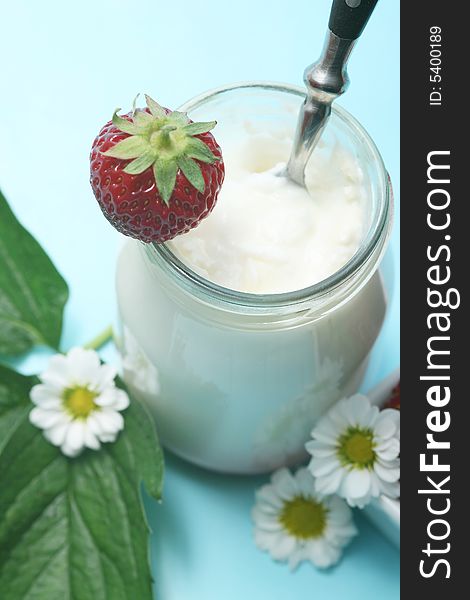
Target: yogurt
x: 268, y: 235
x: 237, y: 380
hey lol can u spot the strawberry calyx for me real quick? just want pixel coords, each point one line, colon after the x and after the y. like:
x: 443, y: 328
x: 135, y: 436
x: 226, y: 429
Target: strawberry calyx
x: 165, y: 141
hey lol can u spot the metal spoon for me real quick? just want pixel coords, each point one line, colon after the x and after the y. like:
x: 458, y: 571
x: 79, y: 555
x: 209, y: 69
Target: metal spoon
x: 326, y: 79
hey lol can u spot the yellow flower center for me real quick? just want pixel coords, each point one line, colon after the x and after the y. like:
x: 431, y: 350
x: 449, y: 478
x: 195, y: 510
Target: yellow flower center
x: 303, y: 518
x: 79, y: 401
x: 356, y: 448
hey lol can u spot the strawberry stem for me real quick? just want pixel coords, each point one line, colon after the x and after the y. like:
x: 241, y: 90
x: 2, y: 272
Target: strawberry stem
x: 164, y: 138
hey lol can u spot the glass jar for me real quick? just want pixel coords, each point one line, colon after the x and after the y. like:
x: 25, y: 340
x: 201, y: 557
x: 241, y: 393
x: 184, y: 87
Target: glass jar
x: 236, y: 381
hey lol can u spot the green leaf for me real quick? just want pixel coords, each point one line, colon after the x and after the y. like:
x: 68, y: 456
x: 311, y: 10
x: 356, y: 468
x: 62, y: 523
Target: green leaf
x: 130, y: 147
x: 154, y: 107
x: 75, y: 528
x: 197, y: 149
x: 142, y: 118
x: 134, y: 104
x: 140, y: 164
x: 192, y: 172
x: 32, y: 292
x: 124, y: 125
x: 140, y: 442
x: 14, y: 402
x: 165, y: 177
x: 196, y: 128
x: 179, y: 118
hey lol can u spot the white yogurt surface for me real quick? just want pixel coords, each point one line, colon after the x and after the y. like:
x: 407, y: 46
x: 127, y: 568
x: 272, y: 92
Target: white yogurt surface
x: 269, y: 235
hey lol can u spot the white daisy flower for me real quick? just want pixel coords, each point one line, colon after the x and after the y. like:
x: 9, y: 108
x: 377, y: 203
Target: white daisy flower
x: 294, y: 523
x: 355, y: 451
x: 77, y: 402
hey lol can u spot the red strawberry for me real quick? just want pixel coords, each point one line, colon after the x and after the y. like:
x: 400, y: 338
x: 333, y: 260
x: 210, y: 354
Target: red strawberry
x: 155, y: 173
x: 394, y: 400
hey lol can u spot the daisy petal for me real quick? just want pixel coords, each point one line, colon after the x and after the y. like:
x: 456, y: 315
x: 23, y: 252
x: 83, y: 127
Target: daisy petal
x: 319, y: 449
x: 264, y: 539
x: 325, y: 432
x: 323, y: 555
x: 323, y: 466
x: 109, y: 420
x: 105, y: 377
x: 90, y: 440
x: 284, y: 484
x: 56, y: 435
x: 356, y: 484
x: 305, y: 482
x: 268, y: 509
x: 45, y: 419
x: 285, y: 544
x: 329, y: 484
x: 75, y: 438
x: 107, y: 397
x: 391, y: 490
x: 84, y: 365
x: 57, y: 373
x: 45, y: 396
x: 384, y: 426
x: 388, y: 450
x: 94, y: 424
x: 70, y: 451
x: 121, y: 401
x: 267, y: 494
x: 386, y: 474
x: 339, y: 512
x: 264, y: 521
x: 358, y: 410
x: 297, y: 556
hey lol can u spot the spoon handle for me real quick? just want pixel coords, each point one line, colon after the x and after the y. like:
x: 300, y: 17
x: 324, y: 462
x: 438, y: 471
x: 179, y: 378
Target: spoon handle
x: 349, y: 17
x: 328, y: 75
x: 326, y: 79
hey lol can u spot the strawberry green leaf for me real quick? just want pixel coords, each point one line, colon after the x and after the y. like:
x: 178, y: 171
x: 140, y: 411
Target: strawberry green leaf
x: 196, y: 128
x: 179, y: 118
x: 32, y: 292
x: 192, y: 172
x: 140, y: 164
x: 130, y: 147
x: 165, y: 177
x: 197, y: 149
x: 134, y: 104
x: 142, y: 118
x: 75, y: 528
x: 124, y: 125
x: 154, y: 107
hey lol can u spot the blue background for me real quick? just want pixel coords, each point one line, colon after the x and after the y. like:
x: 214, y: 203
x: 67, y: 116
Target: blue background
x: 64, y: 68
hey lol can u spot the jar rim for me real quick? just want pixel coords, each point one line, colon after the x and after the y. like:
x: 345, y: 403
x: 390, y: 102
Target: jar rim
x: 214, y: 291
